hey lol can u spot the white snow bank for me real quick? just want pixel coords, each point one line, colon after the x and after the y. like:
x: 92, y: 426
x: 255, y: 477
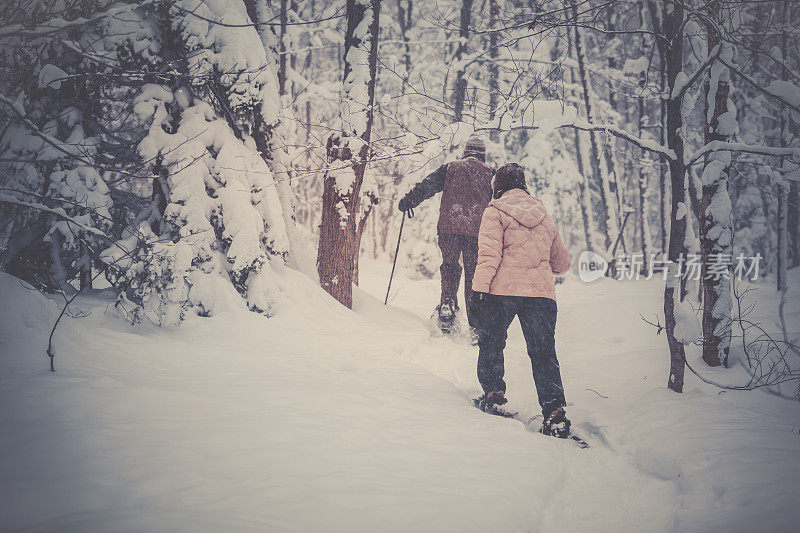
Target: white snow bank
x: 319, y: 419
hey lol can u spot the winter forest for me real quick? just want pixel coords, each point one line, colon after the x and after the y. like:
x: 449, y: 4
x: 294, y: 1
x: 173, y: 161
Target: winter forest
x: 216, y: 312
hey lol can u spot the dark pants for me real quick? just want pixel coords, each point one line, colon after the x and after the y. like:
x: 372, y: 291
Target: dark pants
x: 538, y: 319
x: 453, y: 247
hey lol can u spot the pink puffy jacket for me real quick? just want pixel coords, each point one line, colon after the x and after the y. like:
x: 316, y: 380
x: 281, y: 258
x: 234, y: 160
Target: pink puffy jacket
x: 519, y: 248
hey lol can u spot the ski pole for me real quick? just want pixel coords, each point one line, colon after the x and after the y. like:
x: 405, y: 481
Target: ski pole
x: 410, y: 213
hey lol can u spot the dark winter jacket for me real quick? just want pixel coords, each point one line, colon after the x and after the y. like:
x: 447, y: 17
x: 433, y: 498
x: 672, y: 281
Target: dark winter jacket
x: 466, y: 187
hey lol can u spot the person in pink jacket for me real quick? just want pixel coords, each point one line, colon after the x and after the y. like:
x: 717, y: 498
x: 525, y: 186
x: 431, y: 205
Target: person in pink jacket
x: 519, y: 254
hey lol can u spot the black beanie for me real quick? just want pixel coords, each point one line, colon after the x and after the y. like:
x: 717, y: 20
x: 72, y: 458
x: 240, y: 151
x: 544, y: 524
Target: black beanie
x: 476, y: 147
x: 509, y: 176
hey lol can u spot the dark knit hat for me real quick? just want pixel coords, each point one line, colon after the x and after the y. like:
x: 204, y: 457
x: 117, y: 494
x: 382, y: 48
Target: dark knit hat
x: 509, y: 176
x: 475, y: 146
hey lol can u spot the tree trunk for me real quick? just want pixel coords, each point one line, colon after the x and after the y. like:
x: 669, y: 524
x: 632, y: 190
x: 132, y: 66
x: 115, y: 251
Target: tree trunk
x: 283, y: 19
x: 716, y: 231
x: 307, y: 66
x: 657, y: 17
x: 85, y: 270
x: 783, y: 207
x: 663, y: 167
x: 404, y: 18
x: 780, y: 221
x: 644, y: 223
x: 342, y: 215
x: 494, y: 86
x: 695, y: 193
x: 460, y: 86
x: 793, y: 225
x: 584, y: 192
x: 673, y: 32
x: 606, y: 220
x: 293, y: 57
x: 611, y: 159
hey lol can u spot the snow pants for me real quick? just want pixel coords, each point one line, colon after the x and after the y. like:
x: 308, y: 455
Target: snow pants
x: 453, y: 247
x: 537, y: 316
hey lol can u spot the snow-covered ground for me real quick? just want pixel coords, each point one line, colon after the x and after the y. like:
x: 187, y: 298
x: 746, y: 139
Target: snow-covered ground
x: 320, y: 419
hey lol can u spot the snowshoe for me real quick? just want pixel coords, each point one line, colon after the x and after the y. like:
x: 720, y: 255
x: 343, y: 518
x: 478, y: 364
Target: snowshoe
x: 446, y: 313
x: 579, y: 442
x: 491, y: 403
x: 556, y: 424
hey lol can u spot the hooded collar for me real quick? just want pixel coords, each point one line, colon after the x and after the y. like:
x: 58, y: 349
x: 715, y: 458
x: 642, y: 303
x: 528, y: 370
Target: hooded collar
x: 521, y: 206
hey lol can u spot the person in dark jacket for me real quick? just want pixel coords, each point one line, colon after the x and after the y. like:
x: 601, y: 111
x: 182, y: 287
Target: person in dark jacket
x: 466, y: 187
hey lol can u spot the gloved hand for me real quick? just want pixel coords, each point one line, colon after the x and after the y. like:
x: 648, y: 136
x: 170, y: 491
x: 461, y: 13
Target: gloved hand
x: 404, y: 205
x: 478, y: 297
x: 477, y: 309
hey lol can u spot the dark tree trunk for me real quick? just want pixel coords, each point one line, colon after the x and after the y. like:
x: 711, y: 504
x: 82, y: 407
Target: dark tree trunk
x: 644, y: 227
x: 85, y: 271
x: 584, y: 192
x: 283, y: 19
x: 612, y: 162
x: 715, y: 235
x: 293, y: 58
x: 644, y: 221
x: 792, y: 223
x: 657, y: 16
x: 785, y: 196
x: 404, y: 19
x: 781, y: 258
x: 460, y: 86
x: 494, y: 86
x: 663, y: 169
x: 673, y: 32
x: 340, y: 237
x: 595, y: 150
x: 309, y: 56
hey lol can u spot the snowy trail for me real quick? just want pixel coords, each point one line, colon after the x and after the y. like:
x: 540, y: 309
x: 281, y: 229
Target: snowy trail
x: 322, y: 420
x: 728, y: 458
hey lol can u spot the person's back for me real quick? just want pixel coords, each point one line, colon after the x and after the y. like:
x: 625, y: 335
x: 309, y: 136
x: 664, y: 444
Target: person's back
x: 466, y: 187
x: 519, y: 251
x: 466, y: 192
x: 522, y: 258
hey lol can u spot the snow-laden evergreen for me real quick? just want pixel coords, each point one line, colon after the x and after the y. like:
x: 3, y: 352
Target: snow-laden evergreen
x: 213, y: 211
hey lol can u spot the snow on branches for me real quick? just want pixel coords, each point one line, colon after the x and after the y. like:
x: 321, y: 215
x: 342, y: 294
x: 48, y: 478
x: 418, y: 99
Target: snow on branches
x: 355, y: 86
x: 220, y: 40
x: 221, y: 200
x: 152, y: 104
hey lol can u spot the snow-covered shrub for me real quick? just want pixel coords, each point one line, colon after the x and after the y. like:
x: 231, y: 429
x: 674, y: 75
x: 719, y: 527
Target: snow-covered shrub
x: 49, y: 157
x: 221, y: 202
x: 221, y: 199
x: 156, y: 281
x: 153, y: 106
